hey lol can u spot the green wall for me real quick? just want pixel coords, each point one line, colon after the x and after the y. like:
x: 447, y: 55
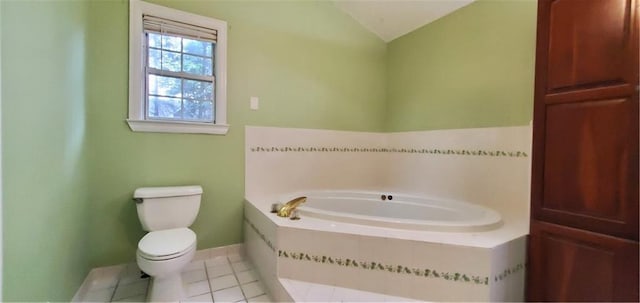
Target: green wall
x: 311, y: 65
x: 472, y: 68
x: 1, y: 249
x: 45, y: 188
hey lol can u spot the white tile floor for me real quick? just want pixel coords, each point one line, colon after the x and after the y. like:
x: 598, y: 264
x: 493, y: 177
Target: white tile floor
x: 221, y: 279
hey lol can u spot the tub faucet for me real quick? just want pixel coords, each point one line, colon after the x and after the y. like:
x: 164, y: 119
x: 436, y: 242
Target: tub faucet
x: 289, y: 207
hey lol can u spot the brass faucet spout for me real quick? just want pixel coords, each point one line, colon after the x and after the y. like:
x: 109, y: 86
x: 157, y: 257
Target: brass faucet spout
x: 289, y: 207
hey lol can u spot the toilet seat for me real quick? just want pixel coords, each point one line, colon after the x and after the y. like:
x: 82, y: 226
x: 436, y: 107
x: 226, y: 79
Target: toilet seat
x: 166, y: 244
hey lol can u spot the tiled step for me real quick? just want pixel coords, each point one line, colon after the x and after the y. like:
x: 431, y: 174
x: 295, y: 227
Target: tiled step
x: 301, y: 291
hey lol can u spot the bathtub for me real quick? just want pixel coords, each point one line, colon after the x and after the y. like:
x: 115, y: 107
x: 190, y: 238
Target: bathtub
x: 435, y: 250
x: 395, y: 210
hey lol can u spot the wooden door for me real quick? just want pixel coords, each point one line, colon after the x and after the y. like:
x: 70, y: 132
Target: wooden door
x: 568, y: 264
x: 584, y: 201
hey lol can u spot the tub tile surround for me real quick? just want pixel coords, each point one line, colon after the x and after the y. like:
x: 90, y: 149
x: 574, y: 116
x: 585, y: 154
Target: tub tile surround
x: 508, y: 280
x: 268, y: 173
x: 295, y: 290
x: 260, y: 240
x: 385, y: 267
x: 313, y: 292
x: 501, y: 183
x: 488, y: 166
x: 411, y: 269
x: 457, y: 152
x: 498, y: 182
x: 215, y: 275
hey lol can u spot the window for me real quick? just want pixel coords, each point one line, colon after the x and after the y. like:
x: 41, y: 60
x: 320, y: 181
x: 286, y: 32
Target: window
x: 177, y: 71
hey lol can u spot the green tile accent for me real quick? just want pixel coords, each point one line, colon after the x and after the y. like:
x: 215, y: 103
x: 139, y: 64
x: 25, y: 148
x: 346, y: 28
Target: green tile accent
x: 371, y: 265
x: 261, y: 235
x: 429, y: 151
x: 509, y: 271
x: 392, y: 268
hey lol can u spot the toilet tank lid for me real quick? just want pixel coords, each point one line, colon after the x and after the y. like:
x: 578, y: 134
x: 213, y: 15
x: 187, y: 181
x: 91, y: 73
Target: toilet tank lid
x: 169, y: 191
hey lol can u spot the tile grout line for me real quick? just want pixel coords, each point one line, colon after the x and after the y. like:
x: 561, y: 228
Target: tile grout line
x: 113, y: 294
x: 146, y: 291
x: 226, y: 287
x: 206, y: 272
x: 235, y: 275
x: 221, y: 277
x: 230, y: 274
x: 207, y: 277
x: 258, y: 295
x: 249, y: 282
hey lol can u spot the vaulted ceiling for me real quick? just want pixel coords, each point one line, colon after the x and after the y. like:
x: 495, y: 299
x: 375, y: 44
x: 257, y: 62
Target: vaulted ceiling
x: 390, y: 19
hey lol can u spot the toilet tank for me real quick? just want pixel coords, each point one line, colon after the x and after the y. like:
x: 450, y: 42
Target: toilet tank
x: 167, y: 207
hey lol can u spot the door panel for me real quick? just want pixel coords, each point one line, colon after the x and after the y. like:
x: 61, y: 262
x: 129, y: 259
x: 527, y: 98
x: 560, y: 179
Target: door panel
x: 572, y: 265
x: 588, y: 44
x: 590, y: 167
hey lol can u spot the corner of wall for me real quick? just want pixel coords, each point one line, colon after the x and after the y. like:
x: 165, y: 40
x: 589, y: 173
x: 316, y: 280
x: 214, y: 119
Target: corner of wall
x: 472, y: 68
x: 44, y: 252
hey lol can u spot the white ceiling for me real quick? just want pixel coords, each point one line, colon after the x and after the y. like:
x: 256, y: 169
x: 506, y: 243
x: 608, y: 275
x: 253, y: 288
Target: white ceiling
x: 390, y: 19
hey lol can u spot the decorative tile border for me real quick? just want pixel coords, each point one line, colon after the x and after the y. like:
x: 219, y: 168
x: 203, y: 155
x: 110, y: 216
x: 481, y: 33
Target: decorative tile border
x: 399, y: 269
x: 261, y: 235
x: 509, y: 271
x: 431, y: 151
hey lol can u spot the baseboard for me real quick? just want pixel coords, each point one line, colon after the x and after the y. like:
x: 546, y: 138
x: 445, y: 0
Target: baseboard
x: 207, y: 253
x: 84, y: 287
x: 93, y: 275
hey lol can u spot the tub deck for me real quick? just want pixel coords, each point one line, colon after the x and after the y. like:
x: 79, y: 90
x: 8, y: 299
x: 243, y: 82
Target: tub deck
x: 422, y: 265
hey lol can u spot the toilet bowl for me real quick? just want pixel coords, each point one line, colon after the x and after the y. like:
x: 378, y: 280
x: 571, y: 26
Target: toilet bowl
x: 162, y: 255
x: 169, y: 246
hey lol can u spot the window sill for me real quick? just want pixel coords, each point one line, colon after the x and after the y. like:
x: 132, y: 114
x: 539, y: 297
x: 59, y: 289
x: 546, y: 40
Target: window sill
x: 177, y: 127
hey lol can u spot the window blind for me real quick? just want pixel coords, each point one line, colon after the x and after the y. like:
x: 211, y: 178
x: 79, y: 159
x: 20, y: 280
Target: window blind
x: 164, y: 26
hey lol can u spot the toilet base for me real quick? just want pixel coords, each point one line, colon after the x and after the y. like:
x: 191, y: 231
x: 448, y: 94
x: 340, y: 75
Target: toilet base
x: 166, y: 277
x: 166, y: 289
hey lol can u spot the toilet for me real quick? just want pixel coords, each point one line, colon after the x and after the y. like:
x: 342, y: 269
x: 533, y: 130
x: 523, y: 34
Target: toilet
x: 166, y: 213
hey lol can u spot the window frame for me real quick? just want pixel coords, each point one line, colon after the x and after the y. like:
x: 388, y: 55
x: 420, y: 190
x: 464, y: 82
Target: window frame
x: 137, y: 119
